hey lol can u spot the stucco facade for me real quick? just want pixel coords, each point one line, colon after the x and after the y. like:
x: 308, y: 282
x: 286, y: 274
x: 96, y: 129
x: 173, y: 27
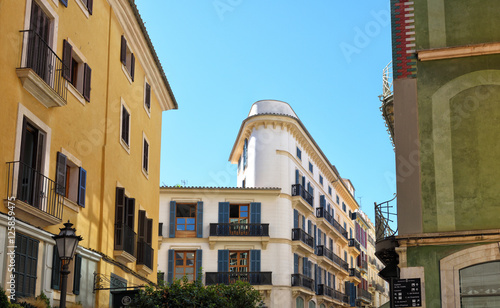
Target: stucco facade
x: 82, y: 100
x: 308, y: 256
x: 446, y: 83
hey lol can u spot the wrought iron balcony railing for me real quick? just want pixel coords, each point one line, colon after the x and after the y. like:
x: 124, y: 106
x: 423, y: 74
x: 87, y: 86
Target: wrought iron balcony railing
x: 37, y: 55
x: 322, y: 213
x: 125, y: 239
x: 33, y: 188
x: 299, y: 280
x: 239, y: 229
x: 323, y: 251
x: 380, y: 288
x: 355, y: 244
x: 332, y: 293
x: 363, y: 264
x: 354, y: 273
x: 364, y: 294
x: 299, y: 190
x: 254, y: 278
x: 144, y: 254
x: 300, y: 235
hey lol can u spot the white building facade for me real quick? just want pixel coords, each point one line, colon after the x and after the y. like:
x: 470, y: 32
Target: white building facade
x: 287, y: 227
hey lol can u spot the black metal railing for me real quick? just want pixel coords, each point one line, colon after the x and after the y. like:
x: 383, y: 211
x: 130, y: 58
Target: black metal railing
x: 254, y: 278
x: 363, y: 265
x: 380, y: 288
x: 322, y: 213
x: 125, y: 238
x: 32, y: 187
x: 37, y: 55
x: 300, y: 235
x: 299, y: 280
x: 332, y: 293
x: 354, y: 273
x: 299, y: 190
x: 355, y: 244
x: 239, y: 229
x: 364, y: 294
x: 384, y: 212
x: 324, y: 251
x: 144, y: 254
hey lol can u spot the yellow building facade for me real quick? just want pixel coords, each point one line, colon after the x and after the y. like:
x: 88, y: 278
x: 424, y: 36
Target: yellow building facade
x: 82, y: 98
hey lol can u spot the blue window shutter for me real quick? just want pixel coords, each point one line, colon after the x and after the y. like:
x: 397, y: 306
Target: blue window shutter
x: 315, y: 239
x: 305, y: 267
x: 329, y: 279
x: 223, y: 261
x: 297, y: 176
x: 170, y: 267
x: 304, y: 223
x: 171, y: 232
x: 255, y: 260
x: 82, y: 187
x: 322, y: 201
x: 64, y: 2
x: 309, y: 227
x: 319, y: 275
x: 56, y: 271
x: 333, y: 281
x: 295, y: 263
x: 295, y: 218
x: 224, y: 212
x: 199, y: 258
x: 77, y: 275
x: 319, y: 237
x: 199, y: 220
x: 255, y: 212
x: 315, y: 277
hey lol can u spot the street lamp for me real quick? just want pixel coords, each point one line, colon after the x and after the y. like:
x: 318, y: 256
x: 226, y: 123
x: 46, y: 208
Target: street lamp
x: 66, y: 242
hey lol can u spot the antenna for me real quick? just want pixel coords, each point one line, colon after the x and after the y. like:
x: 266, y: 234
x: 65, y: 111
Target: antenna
x: 184, y: 183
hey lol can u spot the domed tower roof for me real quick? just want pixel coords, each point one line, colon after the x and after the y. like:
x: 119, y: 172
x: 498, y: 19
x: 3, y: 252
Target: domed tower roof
x: 271, y: 107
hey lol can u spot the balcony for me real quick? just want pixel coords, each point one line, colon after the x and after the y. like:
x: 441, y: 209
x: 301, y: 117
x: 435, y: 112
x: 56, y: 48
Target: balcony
x: 340, y: 264
x: 363, y: 266
x: 33, y: 195
x: 380, y: 288
x: 227, y: 231
x: 144, y: 258
x: 299, y: 280
x: 125, y: 239
x: 301, y: 241
x: 340, y: 232
x: 364, y: 295
x: 333, y: 294
x: 254, y: 278
x: 354, y: 246
x: 355, y: 275
x: 41, y: 70
x: 302, y: 200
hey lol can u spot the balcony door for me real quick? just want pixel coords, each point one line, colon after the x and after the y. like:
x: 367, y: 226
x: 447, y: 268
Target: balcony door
x: 238, y: 265
x: 239, y: 216
x: 38, y: 47
x: 30, y: 176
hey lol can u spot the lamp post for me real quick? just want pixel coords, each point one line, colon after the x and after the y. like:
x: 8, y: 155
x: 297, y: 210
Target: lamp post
x: 66, y: 243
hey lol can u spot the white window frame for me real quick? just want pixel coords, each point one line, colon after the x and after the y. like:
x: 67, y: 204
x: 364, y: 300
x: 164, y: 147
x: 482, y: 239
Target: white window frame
x: 125, y: 146
x: 81, y: 59
x: 75, y: 164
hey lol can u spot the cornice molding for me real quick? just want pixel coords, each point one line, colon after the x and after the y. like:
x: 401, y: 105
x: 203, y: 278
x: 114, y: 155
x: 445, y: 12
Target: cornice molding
x: 459, y: 52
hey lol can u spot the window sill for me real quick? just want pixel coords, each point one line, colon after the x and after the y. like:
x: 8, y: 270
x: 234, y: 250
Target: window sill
x: 72, y: 205
x: 83, y: 8
x: 75, y: 92
x: 125, y: 146
x: 127, y: 74
x: 148, y: 111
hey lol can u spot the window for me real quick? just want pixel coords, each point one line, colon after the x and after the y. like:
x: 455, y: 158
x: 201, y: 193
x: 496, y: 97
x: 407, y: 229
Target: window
x: 238, y: 213
x: 145, y: 155
x: 127, y: 58
x: 147, y: 97
x: 74, y: 276
x: 145, y: 251
x: 329, y: 190
x: 245, y: 154
x: 185, y: 264
x: 125, y: 126
x: 321, y: 180
x: 238, y: 261
x: 243, y: 183
x: 71, y: 179
x: 76, y: 71
x: 312, y: 304
x: 186, y: 219
x: 299, y: 302
x: 88, y: 4
x: 239, y: 164
x: 311, y: 168
x: 343, y: 206
x: 124, y: 222
x: 160, y: 229
x: 338, y: 199
x: 479, y: 284
x: 299, y: 154
x: 26, y: 265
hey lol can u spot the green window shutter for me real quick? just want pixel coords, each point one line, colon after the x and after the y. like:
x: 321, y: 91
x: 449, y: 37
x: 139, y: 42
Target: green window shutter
x: 82, y: 187
x: 56, y: 271
x: 77, y: 276
x: 61, y: 174
x: 171, y: 228
x: 132, y: 66
x: 67, y: 59
x: 87, y: 74
x: 199, y: 220
x: 123, y: 51
x: 170, y: 266
x: 199, y: 262
x: 148, y: 96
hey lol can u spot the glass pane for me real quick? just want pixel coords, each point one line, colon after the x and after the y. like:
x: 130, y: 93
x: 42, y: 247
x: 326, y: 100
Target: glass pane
x: 190, y: 221
x: 181, y: 221
x: 478, y: 283
x: 233, y: 255
x: 179, y: 262
x: 190, y: 255
x: 481, y: 302
x: 190, y: 228
x: 189, y: 270
x: 244, y: 208
x: 179, y: 270
x: 179, y: 276
x: 243, y: 269
x: 181, y: 227
x: 244, y: 255
x: 299, y: 302
x: 185, y: 210
x: 234, y: 211
x: 233, y: 262
x: 189, y: 262
x: 233, y: 220
x: 232, y: 269
x: 243, y: 262
x: 244, y: 220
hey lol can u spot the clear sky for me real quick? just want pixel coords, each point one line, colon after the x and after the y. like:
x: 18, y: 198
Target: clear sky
x: 323, y: 57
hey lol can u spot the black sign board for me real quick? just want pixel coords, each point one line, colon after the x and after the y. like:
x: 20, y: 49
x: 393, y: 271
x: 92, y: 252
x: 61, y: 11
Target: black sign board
x: 123, y: 299
x: 406, y: 293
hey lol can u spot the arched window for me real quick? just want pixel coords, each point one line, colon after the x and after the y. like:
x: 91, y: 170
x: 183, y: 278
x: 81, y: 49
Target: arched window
x: 312, y: 304
x: 299, y: 302
x: 245, y: 154
x: 322, y: 306
x: 479, y: 285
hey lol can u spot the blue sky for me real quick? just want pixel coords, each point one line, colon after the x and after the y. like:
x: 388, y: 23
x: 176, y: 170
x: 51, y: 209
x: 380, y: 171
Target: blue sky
x: 323, y: 57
